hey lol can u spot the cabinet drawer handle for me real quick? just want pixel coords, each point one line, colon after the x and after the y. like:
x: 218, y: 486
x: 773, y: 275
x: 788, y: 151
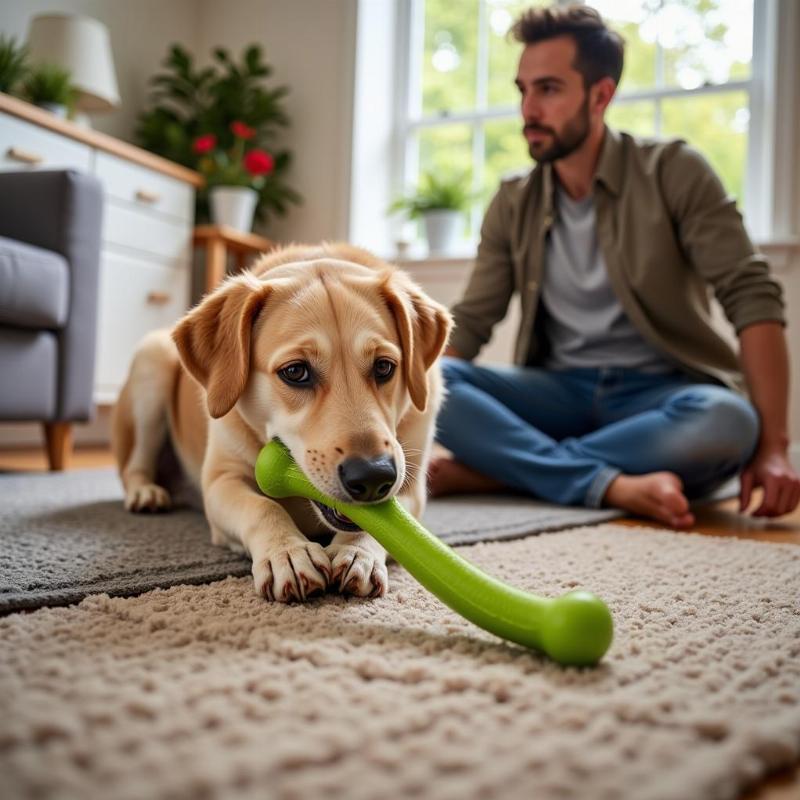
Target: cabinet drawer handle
x: 25, y: 156
x: 158, y: 298
x: 145, y: 196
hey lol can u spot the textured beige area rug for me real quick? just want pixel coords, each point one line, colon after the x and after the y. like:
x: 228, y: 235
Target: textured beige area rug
x: 208, y: 692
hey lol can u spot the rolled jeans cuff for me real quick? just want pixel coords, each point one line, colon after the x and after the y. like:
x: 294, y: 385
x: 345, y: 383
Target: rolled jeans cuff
x: 599, y: 485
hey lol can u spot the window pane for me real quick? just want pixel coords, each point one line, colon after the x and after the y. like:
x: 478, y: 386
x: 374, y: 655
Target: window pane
x: 629, y: 19
x: 638, y: 118
x: 506, y: 152
x: 450, y: 56
x: 705, y: 41
x: 504, y: 52
x: 716, y: 125
x: 446, y: 150
x: 702, y: 41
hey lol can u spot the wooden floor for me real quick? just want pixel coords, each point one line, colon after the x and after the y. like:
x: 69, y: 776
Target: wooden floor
x: 720, y: 519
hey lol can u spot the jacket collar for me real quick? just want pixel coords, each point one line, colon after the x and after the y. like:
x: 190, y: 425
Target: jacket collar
x: 609, y: 165
x: 608, y: 172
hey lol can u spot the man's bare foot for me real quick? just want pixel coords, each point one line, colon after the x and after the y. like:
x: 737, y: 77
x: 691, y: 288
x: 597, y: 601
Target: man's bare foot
x: 658, y: 495
x: 448, y: 476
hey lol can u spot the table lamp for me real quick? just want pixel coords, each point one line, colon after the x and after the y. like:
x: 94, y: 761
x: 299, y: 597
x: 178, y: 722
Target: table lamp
x: 82, y: 46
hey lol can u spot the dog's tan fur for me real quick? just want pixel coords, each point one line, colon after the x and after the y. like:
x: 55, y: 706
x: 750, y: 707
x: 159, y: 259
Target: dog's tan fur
x: 213, y: 388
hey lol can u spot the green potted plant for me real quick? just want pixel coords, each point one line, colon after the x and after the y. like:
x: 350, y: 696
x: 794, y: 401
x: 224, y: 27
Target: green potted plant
x: 441, y: 203
x: 190, y: 104
x: 13, y: 63
x: 49, y: 86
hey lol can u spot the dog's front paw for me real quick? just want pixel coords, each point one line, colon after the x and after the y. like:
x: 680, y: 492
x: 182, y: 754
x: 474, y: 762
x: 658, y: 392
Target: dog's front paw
x: 358, y: 571
x: 148, y: 497
x: 297, y: 572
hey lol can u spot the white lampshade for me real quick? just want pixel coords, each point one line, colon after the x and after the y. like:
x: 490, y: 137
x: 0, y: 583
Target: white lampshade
x: 82, y: 46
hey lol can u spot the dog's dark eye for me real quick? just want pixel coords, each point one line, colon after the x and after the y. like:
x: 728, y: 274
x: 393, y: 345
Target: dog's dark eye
x: 296, y: 374
x: 383, y: 369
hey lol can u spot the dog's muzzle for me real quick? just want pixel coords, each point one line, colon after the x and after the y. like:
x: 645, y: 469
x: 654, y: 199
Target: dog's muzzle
x: 368, y: 480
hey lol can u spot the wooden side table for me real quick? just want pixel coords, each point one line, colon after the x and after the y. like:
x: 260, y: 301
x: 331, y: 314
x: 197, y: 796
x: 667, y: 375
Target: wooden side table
x: 218, y: 241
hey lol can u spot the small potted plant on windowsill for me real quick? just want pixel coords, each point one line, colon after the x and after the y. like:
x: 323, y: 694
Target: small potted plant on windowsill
x: 234, y: 176
x: 441, y: 203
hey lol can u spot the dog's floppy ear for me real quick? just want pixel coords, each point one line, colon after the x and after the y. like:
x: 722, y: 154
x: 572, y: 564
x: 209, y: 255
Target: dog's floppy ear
x: 423, y: 326
x: 213, y: 340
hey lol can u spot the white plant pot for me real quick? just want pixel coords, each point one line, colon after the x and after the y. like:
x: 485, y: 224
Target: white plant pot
x: 58, y: 109
x: 233, y: 206
x: 443, y: 230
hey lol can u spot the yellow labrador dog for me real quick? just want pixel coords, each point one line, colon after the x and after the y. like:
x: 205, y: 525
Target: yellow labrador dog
x: 329, y: 349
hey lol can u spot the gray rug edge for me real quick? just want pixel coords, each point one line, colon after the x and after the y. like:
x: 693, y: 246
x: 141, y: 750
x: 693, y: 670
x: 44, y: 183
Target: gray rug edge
x: 135, y: 583
x: 34, y: 599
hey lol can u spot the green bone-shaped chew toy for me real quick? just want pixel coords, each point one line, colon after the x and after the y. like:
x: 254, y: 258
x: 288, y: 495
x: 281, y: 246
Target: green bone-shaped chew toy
x: 574, y: 629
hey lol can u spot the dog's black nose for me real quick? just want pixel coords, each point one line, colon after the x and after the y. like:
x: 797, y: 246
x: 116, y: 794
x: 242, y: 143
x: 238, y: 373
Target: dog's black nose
x: 368, y: 479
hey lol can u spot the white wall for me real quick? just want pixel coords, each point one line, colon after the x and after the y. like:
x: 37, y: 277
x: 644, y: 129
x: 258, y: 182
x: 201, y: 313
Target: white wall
x: 140, y: 34
x: 787, y: 271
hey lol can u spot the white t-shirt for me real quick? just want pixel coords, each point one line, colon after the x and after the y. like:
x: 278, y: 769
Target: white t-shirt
x: 585, y: 323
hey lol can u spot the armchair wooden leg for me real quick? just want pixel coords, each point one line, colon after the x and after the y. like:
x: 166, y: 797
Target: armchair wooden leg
x: 59, y: 444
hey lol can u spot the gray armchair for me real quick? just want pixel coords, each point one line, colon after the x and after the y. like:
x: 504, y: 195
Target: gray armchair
x: 50, y: 224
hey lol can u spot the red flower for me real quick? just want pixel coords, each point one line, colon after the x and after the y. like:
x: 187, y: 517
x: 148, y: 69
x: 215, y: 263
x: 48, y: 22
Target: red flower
x: 258, y: 162
x: 242, y: 131
x: 204, y: 144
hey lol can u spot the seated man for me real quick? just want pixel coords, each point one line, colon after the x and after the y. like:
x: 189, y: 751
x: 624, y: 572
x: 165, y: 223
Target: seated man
x: 624, y: 394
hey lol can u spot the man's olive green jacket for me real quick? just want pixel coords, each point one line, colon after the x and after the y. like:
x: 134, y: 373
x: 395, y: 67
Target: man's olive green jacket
x: 669, y: 235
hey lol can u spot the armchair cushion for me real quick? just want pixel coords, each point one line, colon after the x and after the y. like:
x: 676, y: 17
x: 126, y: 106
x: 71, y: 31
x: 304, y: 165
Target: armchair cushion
x: 34, y: 286
x: 29, y: 361
x: 60, y: 211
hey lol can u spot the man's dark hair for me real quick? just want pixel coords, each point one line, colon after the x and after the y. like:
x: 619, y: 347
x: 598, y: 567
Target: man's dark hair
x: 600, y: 50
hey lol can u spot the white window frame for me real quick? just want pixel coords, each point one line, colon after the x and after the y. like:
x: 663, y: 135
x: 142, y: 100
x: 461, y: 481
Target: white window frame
x: 771, y: 205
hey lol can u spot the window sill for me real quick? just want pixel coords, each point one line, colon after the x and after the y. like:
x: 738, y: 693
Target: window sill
x: 418, y: 255
x: 782, y: 254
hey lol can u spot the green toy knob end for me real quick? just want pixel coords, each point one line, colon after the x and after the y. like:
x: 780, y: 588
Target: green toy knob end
x: 577, y: 629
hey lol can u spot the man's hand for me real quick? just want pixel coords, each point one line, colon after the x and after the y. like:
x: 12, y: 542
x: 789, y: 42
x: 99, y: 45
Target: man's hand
x: 765, y: 361
x: 771, y: 470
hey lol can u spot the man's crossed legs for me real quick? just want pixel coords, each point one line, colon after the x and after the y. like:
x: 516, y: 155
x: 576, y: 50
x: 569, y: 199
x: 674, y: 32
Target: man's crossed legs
x: 646, y: 443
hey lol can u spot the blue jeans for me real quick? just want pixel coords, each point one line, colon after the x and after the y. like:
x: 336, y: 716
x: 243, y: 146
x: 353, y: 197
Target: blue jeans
x: 565, y: 435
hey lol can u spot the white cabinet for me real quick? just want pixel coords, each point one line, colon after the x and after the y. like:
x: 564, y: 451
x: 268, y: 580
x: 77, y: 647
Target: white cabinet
x: 145, y: 189
x: 145, y: 271
x: 148, y: 233
x: 24, y: 145
x: 136, y: 296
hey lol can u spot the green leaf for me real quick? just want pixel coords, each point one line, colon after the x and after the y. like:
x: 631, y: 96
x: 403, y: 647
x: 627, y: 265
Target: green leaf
x: 434, y: 193
x: 13, y: 63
